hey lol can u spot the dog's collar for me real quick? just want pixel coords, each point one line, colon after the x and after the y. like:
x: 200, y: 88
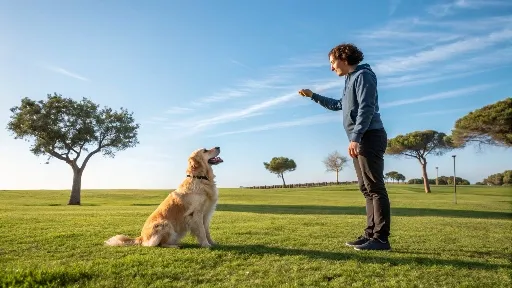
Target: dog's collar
x: 198, y: 177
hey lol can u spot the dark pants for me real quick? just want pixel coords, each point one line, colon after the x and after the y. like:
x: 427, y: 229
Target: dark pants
x: 369, y: 166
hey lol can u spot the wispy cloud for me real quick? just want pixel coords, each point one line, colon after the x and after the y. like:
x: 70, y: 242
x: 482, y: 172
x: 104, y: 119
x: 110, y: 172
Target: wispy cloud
x: 438, y: 96
x: 424, y: 78
x: 67, y: 73
x: 239, y: 63
x: 413, y: 35
x: 462, y: 26
x: 393, y: 5
x: 429, y: 51
x: 441, y: 112
x: 313, y: 120
x: 154, y: 120
x: 275, y: 78
x: 444, y: 9
x: 327, y: 85
x: 158, y: 119
x: 242, y: 89
x: 258, y: 109
x: 178, y: 110
x: 194, y: 126
x: 442, y: 52
x: 250, y: 111
x: 409, y: 31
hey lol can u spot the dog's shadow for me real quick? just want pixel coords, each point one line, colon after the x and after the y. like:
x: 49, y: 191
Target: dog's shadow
x: 383, y: 257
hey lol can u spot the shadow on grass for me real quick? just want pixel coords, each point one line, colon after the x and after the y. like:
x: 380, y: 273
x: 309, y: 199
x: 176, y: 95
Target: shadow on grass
x: 42, y: 278
x: 61, y: 205
x: 351, y: 210
x: 465, y: 253
x: 363, y: 257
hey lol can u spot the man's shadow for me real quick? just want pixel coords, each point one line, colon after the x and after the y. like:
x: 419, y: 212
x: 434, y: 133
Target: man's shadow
x: 356, y: 210
x: 382, y: 257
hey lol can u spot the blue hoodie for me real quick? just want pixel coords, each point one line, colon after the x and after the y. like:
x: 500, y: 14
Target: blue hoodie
x: 359, y: 102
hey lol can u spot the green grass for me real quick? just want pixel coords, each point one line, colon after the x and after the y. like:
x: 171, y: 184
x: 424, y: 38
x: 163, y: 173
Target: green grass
x: 267, y: 238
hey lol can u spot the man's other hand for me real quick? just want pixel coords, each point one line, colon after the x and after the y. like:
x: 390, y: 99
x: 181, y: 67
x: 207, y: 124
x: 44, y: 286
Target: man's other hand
x: 353, y: 149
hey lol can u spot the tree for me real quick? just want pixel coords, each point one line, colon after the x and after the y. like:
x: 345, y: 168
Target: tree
x: 400, y: 177
x: 392, y: 175
x: 507, y: 177
x: 419, y: 145
x: 490, y: 125
x: 499, y: 179
x: 279, y: 166
x: 443, y: 180
x: 459, y: 180
x: 335, y: 162
x: 65, y: 129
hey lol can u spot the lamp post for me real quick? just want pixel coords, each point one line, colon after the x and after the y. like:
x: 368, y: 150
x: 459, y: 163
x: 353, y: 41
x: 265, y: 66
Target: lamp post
x: 454, y: 182
x: 437, y: 175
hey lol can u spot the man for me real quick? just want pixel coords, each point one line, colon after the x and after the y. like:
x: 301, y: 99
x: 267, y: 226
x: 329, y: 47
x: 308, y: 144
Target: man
x: 368, y: 139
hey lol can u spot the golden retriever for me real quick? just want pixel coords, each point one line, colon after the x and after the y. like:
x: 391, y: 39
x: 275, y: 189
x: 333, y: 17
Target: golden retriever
x: 187, y: 209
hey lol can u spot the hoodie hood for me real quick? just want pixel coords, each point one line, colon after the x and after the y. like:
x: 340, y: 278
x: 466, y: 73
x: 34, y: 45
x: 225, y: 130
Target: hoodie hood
x: 359, y: 68
x: 363, y: 66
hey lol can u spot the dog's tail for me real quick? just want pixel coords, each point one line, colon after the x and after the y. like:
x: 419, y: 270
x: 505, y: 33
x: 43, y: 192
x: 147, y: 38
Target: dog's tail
x: 123, y: 240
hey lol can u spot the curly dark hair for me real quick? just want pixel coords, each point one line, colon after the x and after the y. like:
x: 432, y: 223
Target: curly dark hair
x: 347, y: 52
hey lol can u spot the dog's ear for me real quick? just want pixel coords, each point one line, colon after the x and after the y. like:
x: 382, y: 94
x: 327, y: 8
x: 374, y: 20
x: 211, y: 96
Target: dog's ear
x: 194, y: 165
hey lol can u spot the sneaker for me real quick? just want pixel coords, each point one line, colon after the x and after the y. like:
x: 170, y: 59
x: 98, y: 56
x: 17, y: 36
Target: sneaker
x: 374, y: 244
x: 359, y: 241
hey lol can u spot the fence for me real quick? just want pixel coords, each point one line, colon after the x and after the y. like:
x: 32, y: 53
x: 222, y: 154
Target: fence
x: 301, y: 185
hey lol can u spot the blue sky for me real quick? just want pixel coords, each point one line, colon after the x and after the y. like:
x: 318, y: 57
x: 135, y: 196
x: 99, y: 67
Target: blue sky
x: 226, y: 73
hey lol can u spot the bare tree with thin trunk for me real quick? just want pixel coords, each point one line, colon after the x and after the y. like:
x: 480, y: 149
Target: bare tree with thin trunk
x: 334, y: 162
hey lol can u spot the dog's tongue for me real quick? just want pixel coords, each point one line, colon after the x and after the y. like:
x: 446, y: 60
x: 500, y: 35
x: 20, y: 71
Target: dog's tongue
x: 216, y: 160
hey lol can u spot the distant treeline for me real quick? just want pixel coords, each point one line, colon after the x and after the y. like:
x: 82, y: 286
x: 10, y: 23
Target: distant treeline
x: 301, y: 185
x: 442, y: 180
x: 498, y: 179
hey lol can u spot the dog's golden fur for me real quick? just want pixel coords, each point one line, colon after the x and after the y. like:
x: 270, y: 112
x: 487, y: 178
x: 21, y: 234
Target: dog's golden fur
x: 188, y: 208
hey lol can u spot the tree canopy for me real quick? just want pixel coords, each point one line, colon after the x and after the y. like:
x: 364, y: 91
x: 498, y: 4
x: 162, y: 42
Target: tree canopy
x: 490, y: 125
x: 334, y: 162
x: 418, y: 145
x: 498, y: 179
x: 394, y: 175
x: 400, y: 177
x: 66, y: 129
x: 279, y: 166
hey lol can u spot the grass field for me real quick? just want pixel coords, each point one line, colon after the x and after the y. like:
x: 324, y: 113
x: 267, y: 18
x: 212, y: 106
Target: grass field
x: 266, y: 238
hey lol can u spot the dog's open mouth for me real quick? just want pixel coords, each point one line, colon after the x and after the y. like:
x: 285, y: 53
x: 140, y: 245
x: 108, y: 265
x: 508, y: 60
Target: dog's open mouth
x: 215, y: 160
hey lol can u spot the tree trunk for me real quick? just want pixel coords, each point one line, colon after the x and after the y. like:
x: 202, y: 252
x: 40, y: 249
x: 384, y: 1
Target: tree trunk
x: 282, y: 177
x: 74, y: 199
x: 337, y: 174
x: 425, y: 177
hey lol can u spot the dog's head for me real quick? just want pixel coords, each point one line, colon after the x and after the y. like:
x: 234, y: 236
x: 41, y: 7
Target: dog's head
x: 201, y: 160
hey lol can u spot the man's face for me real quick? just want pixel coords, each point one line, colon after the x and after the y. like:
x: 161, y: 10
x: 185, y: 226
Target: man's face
x: 339, y: 67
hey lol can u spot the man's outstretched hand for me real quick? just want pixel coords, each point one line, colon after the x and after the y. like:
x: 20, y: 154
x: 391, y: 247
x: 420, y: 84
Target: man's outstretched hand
x: 306, y: 92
